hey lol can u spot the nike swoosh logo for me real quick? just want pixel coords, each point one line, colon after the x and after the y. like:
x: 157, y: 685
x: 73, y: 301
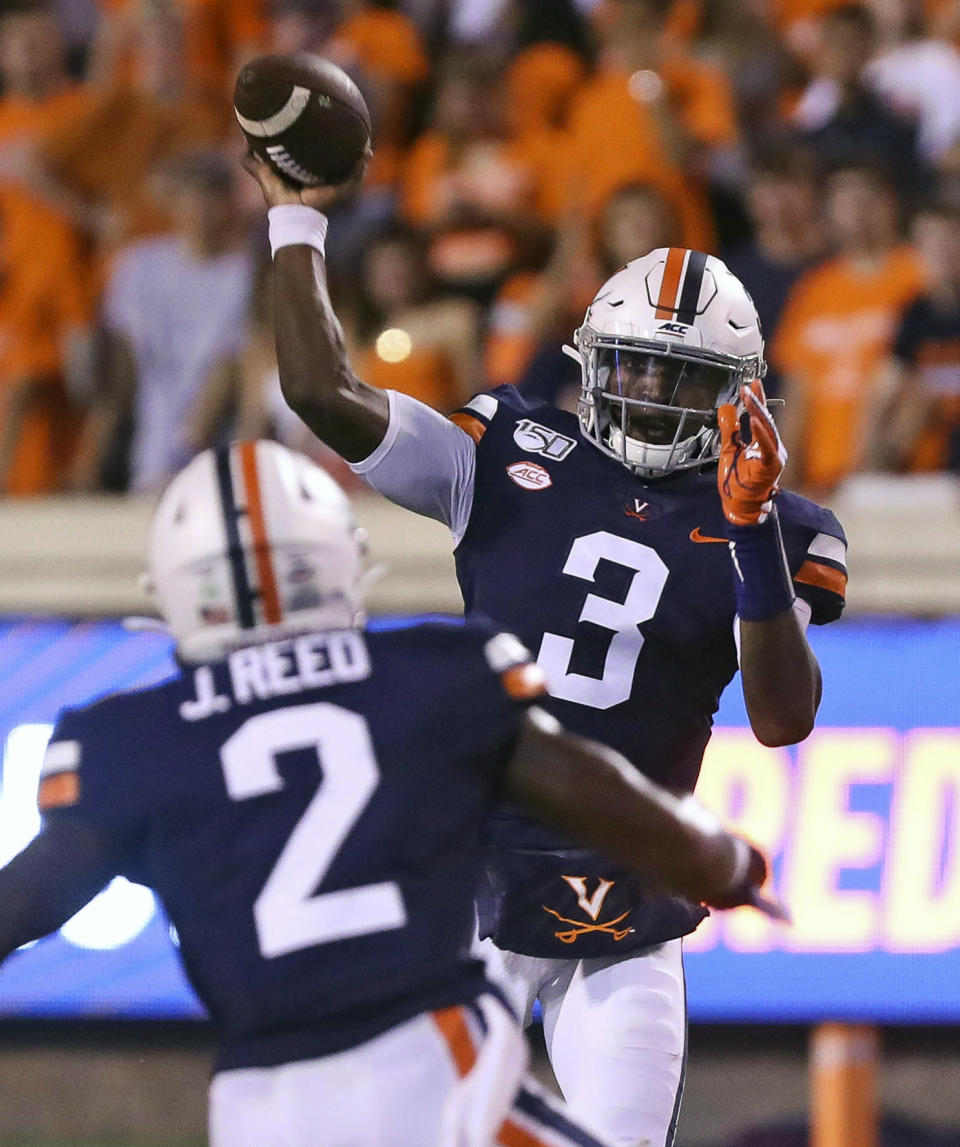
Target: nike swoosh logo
x: 696, y: 536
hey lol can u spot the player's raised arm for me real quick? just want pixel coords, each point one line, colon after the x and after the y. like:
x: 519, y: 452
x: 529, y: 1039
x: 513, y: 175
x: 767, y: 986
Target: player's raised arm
x: 56, y: 874
x: 781, y: 677
x: 593, y: 794
x: 316, y: 377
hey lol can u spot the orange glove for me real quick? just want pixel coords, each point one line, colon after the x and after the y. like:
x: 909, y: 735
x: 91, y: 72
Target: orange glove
x: 749, y: 472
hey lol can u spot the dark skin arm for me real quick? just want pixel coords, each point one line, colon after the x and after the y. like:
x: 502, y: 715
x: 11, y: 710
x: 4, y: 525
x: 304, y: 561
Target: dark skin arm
x: 592, y: 794
x: 781, y: 679
x: 575, y: 785
x: 61, y: 869
x: 316, y: 377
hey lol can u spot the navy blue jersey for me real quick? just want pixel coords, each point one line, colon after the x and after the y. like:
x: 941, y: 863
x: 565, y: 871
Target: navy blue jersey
x: 309, y: 812
x: 624, y: 589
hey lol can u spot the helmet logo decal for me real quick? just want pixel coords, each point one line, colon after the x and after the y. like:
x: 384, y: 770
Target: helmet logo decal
x: 678, y: 329
x: 539, y: 439
x: 529, y: 475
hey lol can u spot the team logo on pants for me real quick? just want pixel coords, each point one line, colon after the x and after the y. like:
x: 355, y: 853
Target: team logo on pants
x: 592, y: 906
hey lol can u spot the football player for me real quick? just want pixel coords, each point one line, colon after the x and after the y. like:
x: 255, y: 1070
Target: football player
x: 643, y: 550
x: 306, y: 798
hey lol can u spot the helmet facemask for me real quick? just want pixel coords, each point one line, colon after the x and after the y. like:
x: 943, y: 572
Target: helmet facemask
x: 653, y: 406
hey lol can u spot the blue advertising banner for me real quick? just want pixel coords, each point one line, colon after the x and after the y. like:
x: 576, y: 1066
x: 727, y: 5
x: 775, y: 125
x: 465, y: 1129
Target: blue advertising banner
x: 861, y: 821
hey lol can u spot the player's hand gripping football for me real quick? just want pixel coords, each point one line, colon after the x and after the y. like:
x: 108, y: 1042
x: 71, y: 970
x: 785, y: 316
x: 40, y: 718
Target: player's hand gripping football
x: 749, y: 471
x: 277, y: 190
x: 747, y: 883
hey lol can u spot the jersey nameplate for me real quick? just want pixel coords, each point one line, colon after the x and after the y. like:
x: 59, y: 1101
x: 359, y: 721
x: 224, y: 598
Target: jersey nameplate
x: 537, y: 439
x: 280, y: 668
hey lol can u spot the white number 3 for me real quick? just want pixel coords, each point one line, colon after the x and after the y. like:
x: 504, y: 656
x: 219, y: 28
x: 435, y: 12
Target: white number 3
x: 290, y: 913
x: 640, y: 604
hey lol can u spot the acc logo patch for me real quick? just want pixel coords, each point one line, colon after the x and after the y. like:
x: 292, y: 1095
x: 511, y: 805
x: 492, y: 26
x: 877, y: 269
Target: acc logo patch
x: 529, y: 475
x: 538, y: 439
x: 678, y: 329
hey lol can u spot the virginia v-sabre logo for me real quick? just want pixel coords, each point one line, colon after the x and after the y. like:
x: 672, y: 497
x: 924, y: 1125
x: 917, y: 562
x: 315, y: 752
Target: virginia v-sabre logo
x: 591, y: 905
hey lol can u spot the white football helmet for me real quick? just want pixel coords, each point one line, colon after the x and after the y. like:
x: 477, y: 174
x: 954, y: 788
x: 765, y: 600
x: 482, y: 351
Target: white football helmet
x: 667, y: 340
x: 252, y: 543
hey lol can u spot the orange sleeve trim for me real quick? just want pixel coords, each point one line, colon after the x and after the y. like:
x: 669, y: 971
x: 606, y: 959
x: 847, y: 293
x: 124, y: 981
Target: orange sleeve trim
x: 823, y: 577
x: 513, y: 1135
x: 945, y: 352
x: 269, y: 596
x: 667, y: 303
x: 59, y: 791
x: 524, y: 682
x: 452, y: 1025
x: 470, y: 425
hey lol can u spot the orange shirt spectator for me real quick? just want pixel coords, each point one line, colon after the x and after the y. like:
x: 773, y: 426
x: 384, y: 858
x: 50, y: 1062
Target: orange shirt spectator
x: 511, y: 339
x: 541, y: 82
x: 835, y: 330
x: 603, y: 159
x: 219, y: 35
x: 483, y: 193
x: 105, y: 158
x: 405, y: 335
x: 42, y: 302
x: 32, y: 120
x: 495, y: 175
x: 386, y: 47
x: 386, y: 43
x: 423, y: 372
x: 107, y: 155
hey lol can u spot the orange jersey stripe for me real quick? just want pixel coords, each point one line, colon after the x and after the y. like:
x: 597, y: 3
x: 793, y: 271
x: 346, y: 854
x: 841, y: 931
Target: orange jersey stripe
x: 823, y: 577
x: 524, y: 681
x: 58, y: 791
x: 670, y: 286
x: 261, y: 546
x: 513, y: 1135
x: 472, y: 426
x: 452, y: 1024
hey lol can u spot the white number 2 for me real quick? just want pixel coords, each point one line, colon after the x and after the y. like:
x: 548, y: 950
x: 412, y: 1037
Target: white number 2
x: 290, y: 913
x: 640, y: 604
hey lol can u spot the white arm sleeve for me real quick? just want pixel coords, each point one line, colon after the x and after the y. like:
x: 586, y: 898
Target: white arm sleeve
x: 425, y: 463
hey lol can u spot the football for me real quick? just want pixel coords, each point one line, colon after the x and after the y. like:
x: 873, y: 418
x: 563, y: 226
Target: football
x: 303, y: 115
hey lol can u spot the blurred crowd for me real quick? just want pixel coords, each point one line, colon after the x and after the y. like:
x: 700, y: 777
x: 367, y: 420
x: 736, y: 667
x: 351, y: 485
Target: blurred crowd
x: 524, y: 149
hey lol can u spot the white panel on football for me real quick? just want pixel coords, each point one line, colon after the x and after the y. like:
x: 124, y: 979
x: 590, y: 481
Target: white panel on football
x: 286, y: 117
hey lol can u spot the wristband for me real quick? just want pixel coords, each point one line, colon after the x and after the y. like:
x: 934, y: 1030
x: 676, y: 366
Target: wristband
x: 761, y: 577
x: 292, y: 224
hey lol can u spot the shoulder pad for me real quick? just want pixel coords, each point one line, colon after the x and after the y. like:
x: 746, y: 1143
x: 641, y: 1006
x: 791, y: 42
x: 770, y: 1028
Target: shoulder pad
x: 821, y: 579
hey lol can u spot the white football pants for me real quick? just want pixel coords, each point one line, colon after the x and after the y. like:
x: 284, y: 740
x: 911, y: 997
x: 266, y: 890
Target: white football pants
x: 450, y: 1078
x: 615, y: 1031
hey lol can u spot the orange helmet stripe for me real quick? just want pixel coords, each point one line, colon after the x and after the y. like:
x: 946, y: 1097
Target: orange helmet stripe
x: 269, y: 597
x: 670, y: 285
x: 452, y: 1025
